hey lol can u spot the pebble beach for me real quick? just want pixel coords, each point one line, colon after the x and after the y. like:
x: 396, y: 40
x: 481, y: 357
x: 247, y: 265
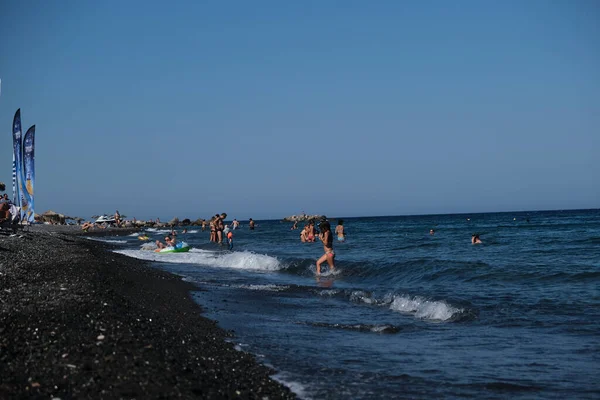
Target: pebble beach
x: 79, y: 321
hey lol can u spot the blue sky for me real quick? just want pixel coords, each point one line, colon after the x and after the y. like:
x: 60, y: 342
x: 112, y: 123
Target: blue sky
x: 266, y: 109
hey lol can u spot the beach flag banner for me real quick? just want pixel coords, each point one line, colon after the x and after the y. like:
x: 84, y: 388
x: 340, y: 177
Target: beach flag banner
x: 29, y: 172
x: 17, y: 158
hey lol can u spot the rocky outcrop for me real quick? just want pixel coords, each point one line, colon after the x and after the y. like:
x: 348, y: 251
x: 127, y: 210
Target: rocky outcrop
x: 303, y: 217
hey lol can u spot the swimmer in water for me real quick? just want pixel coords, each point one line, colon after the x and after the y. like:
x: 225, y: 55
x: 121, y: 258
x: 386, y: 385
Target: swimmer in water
x: 475, y: 239
x: 339, y: 231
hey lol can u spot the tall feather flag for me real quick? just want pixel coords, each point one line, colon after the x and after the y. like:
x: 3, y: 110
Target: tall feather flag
x: 29, y: 172
x: 17, y: 158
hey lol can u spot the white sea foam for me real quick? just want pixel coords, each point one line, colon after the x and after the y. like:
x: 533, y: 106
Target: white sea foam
x: 423, y: 308
x: 295, y: 387
x: 266, y: 287
x: 237, y: 260
x: 359, y: 295
x: 107, y: 240
x: 156, y: 231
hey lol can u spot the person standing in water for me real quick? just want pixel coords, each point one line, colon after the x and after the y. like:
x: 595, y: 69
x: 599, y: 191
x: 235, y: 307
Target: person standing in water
x: 327, y: 239
x: 251, y: 224
x: 339, y: 231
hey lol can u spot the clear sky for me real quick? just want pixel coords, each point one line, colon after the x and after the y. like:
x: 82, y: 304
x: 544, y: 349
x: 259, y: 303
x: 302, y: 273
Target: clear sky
x: 265, y: 109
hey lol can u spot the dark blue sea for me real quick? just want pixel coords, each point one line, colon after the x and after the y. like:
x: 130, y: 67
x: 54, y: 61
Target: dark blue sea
x: 411, y: 315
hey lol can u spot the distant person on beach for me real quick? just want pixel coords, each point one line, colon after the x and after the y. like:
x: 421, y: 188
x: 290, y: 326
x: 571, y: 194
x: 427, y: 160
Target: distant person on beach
x: 230, y: 240
x: 327, y: 239
x: 203, y: 225
x: 87, y: 226
x: 339, y: 231
x: 251, y: 224
x: 475, y: 239
x: 117, y: 218
x: 5, y: 199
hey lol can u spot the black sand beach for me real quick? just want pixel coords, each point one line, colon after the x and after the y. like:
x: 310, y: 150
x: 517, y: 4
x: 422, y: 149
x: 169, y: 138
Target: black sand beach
x: 78, y: 321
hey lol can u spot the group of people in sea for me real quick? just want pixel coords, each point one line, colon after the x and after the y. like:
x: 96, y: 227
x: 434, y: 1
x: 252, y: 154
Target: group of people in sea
x: 219, y: 229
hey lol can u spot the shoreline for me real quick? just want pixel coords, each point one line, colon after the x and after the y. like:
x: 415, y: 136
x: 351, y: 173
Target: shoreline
x: 77, y: 320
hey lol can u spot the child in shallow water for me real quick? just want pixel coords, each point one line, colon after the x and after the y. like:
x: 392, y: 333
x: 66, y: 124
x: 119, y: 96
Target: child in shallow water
x: 230, y: 240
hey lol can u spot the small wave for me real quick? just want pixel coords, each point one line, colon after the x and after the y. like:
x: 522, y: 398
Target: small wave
x: 266, y: 287
x: 107, y: 240
x: 237, y: 260
x: 425, y: 309
x: 294, y: 386
x: 359, y: 327
x: 148, y: 246
x: 418, y: 306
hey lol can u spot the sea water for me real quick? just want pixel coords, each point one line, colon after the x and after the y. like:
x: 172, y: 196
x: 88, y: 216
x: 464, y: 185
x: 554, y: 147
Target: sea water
x: 408, y: 314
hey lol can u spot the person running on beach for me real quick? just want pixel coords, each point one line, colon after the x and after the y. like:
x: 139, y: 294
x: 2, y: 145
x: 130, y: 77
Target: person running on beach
x: 475, y: 239
x: 339, y: 231
x: 327, y: 239
x: 251, y: 224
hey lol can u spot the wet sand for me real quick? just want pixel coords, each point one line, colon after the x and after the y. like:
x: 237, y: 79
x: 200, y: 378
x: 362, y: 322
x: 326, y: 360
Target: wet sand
x: 78, y: 321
